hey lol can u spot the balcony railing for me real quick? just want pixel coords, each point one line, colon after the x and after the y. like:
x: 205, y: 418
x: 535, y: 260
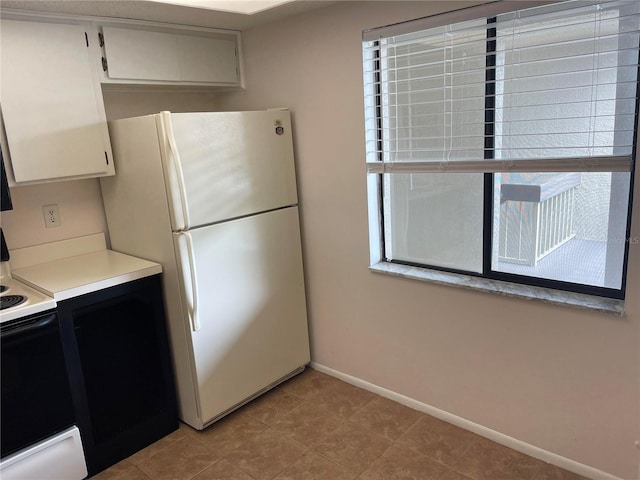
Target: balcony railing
x: 536, y: 215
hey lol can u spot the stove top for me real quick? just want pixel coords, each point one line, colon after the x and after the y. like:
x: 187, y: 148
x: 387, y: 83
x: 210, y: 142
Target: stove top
x: 8, y: 301
x: 19, y: 300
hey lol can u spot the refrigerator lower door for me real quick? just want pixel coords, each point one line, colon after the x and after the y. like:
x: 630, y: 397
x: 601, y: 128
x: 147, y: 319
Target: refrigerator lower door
x: 243, y: 290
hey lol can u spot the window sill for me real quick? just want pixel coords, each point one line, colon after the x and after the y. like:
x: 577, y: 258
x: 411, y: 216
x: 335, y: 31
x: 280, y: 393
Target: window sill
x: 579, y: 300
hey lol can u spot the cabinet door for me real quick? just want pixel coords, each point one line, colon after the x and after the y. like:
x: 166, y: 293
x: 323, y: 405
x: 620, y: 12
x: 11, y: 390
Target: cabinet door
x: 207, y: 59
x: 117, y: 353
x: 142, y: 55
x: 51, y: 103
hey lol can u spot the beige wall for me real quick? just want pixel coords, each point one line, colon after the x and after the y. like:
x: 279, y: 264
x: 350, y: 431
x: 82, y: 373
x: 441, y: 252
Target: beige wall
x: 80, y: 202
x: 561, y: 379
x: 123, y: 102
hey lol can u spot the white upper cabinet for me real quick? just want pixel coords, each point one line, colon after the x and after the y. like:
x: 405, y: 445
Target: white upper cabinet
x: 137, y: 54
x: 54, y: 119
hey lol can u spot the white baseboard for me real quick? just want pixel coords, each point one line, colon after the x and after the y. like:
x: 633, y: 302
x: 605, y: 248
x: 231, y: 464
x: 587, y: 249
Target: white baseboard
x: 507, y: 441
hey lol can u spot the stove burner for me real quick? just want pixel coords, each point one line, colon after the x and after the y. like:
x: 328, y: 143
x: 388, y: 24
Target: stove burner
x: 9, y: 301
x: 3, y: 288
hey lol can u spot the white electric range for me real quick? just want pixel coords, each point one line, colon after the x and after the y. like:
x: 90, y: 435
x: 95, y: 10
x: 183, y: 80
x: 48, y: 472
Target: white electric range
x: 18, y: 300
x: 43, y: 276
x: 28, y: 330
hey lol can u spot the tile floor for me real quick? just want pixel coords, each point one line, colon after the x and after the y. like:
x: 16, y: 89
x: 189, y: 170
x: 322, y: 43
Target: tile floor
x: 315, y: 427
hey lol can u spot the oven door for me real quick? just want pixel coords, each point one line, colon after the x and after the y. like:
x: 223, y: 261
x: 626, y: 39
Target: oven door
x: 36, y: 398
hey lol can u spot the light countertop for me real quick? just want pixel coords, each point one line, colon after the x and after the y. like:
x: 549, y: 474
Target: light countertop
x: 76, y: 275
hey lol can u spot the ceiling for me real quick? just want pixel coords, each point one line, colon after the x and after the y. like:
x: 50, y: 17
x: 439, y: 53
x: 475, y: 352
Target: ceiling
x: 166, y: 13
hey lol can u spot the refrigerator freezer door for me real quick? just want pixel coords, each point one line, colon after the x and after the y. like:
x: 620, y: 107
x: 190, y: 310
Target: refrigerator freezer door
x: 251, y: 306
x: 228, y: 165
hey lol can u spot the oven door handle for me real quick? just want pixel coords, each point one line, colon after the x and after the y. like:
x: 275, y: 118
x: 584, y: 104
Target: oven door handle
x: 28, y: 326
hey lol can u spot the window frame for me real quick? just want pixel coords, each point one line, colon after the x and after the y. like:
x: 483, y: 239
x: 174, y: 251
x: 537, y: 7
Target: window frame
x: 376, y: 178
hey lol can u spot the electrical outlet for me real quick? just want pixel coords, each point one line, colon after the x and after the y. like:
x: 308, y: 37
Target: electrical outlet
x: 51, y: 216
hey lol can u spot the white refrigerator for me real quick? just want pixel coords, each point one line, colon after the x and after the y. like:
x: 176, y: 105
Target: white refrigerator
x: 212, y: 197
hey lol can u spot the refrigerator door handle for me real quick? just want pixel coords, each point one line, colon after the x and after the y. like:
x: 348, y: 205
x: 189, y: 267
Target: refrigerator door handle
x: 193, y: 303
x: 174, y: 160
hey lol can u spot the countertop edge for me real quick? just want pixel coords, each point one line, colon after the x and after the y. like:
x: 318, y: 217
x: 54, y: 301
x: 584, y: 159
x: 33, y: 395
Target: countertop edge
x: 106, y: 283
x: 81, y: 274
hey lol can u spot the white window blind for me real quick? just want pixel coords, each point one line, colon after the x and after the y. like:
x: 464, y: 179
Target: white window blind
x: 545, y: 89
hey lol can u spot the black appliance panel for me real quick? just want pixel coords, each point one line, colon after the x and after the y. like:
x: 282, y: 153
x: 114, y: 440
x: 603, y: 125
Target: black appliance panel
x: 4, y: 253
x: 5, y: 194
x: 36, y: 398
x: 118, y: 359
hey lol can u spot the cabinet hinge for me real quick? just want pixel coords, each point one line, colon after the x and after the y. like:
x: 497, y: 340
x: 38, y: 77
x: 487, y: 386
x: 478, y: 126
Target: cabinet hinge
x: 104, y: 64
x: 106, y: 157
x: 101, y: 39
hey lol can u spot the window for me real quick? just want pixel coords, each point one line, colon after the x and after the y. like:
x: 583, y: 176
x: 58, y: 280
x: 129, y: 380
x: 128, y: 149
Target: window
x: 503, y: 146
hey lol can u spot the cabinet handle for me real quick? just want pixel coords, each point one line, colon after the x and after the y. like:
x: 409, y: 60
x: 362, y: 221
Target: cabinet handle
x: 101, y: 39
x: 29, y: 326
x: 104, y: 64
